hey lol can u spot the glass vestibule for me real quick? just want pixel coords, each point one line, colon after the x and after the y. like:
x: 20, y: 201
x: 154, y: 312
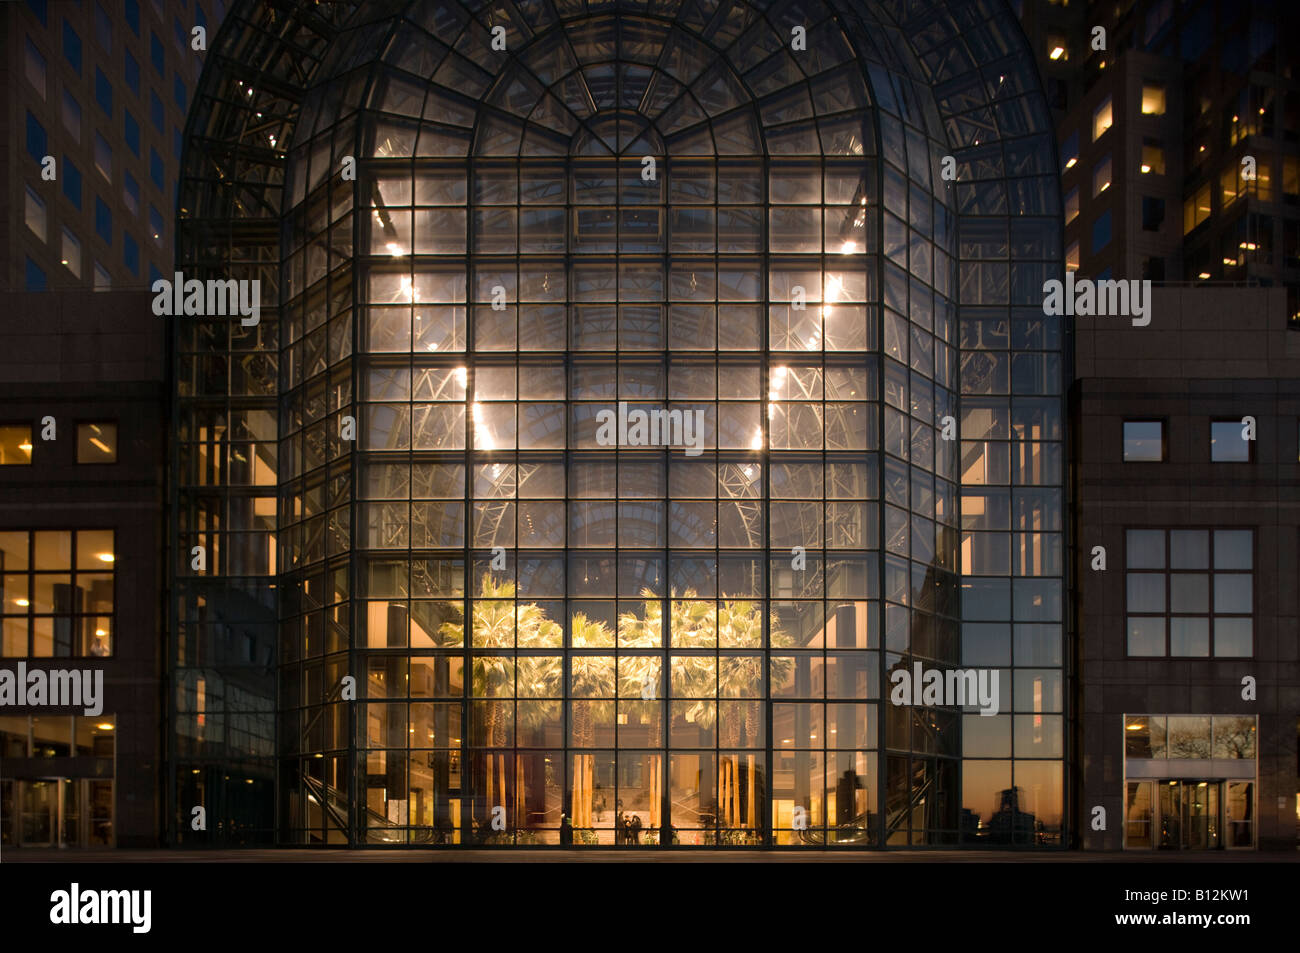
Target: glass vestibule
x: 1189, y: 814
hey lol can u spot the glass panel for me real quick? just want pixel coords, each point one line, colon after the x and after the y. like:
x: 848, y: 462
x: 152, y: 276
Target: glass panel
x: 1137, y: 814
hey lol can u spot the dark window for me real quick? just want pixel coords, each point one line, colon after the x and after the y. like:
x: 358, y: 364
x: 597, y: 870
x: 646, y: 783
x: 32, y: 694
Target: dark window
x: 131, y: 71
x: 1189, y: 593
x: 133, y: 16
x: 179, y: 93
x: 1144, y: 441
x: 156, y: 224
x: 156, y: 53
x: 103, y: 93
x: 103, y: 29
x: 72, y: 182
x: 36, y: 139
x: 103, y: 220
x: 1153, y: 213
x: 156, y: 168
x: 131, y: 193
x: 39, y: 11
x: 1101, y: 232
x: 131, y: 132
x: 1153, y: 268
x: 1228, y: 443
x: 72, y: 47
x: 130, y: 254
x: 35, y: 278
x: 156, y: 112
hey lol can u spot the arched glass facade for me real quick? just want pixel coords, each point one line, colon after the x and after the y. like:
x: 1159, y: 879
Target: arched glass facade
x: 729, y: 217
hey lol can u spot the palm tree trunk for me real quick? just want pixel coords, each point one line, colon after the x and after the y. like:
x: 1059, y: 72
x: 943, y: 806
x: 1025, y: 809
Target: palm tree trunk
x: 753, y: 798
x: 724, y: 790
x: 519, y: 792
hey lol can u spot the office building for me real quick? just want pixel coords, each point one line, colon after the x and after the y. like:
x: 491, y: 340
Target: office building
x: 1186, y: 453
x: 95, y: 99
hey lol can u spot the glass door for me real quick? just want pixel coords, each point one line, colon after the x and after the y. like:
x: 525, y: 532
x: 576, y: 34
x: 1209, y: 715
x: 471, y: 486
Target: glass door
x: 1171, y: 815
x: 1239, y: 811
x: 39, y: 800
x: 1200, y: 820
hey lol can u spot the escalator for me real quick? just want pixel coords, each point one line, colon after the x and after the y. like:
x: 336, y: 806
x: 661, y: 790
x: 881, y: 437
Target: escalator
x: 379, y: 829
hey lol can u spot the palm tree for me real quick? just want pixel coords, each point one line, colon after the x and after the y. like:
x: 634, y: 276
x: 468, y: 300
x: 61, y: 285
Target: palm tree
x: 590, y: 677
x: 740, y: 624
x: 635, y: 672
x: 498, y: 622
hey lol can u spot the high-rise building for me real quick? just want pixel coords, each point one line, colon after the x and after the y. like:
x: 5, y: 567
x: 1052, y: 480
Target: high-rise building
x: 471, y: 598
x: 95, y: 100
x: 1178, y: 144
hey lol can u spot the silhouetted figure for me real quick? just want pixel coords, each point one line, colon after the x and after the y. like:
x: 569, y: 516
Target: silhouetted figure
x: 634, y: 828
x: 566, y: 831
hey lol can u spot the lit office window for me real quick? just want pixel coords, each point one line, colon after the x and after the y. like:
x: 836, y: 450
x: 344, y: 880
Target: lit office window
x: 1101, y: 119
x: 1070, y: 151
x: 1197, y: 208
x: 1228, y: 443
x: 103, y: 280
x: 71, y: 250
x: 57, y: 596
x: 1144, y: 441
x: 1072, y: 205
x: 34, y: 213
x: 34, y: 67
x: 1190, y: 593
x: 1101, y: 177
x: 1153, y: 99
x: 15, y: 445
x: 1058, y: 51
x: 97, y: 443
x: 1153, y: 157
x: 1072, y: 257
x: 156, y: 227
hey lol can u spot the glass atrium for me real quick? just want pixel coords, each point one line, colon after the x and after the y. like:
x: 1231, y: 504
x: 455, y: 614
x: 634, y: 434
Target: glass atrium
x: 438, y: 607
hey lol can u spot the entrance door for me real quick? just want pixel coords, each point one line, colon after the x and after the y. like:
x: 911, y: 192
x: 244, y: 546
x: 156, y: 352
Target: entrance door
x: 1200, y: 803
x: 1190, y: 814
x: 39, y: 809
x: 1171, y: 815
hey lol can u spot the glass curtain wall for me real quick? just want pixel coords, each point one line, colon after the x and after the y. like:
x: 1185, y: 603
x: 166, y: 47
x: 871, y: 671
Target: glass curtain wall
x: 558, y: 632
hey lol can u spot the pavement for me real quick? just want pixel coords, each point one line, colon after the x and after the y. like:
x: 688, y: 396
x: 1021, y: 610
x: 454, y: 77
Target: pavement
x: 263, y: 855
